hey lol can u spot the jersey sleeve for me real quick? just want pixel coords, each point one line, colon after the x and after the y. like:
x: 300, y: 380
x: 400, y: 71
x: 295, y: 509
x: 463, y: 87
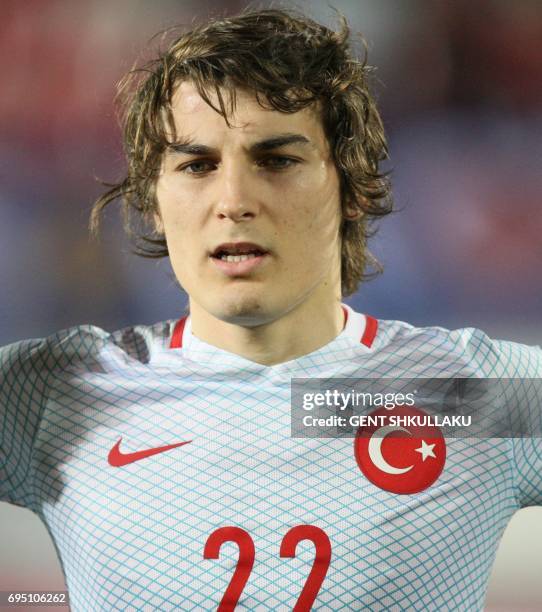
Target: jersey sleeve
x: 23, y: 375
x: 525, y: 363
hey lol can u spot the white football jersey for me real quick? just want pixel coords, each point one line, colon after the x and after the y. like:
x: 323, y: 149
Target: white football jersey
x: 165, y: 472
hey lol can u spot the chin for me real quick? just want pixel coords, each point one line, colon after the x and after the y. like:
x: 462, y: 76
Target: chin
x: 249, y: 311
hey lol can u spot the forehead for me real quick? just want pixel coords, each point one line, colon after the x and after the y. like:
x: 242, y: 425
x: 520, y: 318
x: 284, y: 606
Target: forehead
x: 193, y: 115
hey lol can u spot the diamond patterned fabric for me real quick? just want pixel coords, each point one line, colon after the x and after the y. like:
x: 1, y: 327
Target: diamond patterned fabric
x: 133, y: 537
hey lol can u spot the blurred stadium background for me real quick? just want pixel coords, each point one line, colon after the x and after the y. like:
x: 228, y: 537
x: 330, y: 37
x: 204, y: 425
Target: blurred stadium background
x: 460, y: 88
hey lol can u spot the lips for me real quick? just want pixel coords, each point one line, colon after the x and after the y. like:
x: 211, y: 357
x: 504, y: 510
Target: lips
x: 237, y: 259
x: 238, y: 248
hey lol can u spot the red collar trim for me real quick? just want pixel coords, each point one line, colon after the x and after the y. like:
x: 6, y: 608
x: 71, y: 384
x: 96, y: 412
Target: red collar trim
x: 369, y: 333
x: 371, y: 327
x: 177, y: 336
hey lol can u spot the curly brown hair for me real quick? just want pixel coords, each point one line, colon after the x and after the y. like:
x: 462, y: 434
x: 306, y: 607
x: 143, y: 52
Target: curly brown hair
x: 290, y: 62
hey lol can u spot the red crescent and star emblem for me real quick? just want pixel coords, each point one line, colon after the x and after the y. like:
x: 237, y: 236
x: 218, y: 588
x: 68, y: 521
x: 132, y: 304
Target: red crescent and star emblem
x: 400, y: 459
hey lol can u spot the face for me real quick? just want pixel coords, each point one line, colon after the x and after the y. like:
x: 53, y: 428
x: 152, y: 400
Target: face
x: 251, y: 212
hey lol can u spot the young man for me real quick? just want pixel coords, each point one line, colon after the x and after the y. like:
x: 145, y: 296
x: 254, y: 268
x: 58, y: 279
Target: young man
x: 161, y: 458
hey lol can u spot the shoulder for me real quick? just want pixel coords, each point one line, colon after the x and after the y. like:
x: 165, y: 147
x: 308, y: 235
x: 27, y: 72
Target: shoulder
x: 84, y: 346
x: 469, y: 348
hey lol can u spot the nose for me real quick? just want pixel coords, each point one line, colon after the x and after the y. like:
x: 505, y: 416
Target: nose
x: 237, y: 196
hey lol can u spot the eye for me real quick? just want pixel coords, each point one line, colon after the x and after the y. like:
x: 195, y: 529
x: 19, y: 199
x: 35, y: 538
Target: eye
x: 278, y: 162
x: 197, y: 167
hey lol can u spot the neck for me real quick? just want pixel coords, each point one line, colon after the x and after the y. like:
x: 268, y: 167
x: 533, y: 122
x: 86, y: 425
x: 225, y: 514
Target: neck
x: 302, y: 330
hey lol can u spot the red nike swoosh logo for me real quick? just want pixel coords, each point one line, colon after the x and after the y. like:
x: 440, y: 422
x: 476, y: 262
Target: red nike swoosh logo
x: 117, y: 459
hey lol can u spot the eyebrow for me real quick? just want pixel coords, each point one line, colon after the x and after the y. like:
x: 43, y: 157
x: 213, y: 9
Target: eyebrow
x: 268, y: 144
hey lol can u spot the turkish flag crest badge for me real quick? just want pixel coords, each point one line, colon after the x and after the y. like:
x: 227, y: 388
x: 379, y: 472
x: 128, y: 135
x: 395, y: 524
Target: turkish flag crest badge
x: 403, y: 455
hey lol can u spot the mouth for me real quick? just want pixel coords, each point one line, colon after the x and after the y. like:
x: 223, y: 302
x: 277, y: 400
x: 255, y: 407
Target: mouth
x: 238, y: 258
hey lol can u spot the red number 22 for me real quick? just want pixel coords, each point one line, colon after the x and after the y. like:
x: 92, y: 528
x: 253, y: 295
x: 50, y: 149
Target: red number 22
x: 288, y: 546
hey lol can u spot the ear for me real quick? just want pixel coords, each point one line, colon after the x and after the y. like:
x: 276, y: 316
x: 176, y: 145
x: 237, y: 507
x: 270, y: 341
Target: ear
x: 352, y: 214
x: 354, y: 211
